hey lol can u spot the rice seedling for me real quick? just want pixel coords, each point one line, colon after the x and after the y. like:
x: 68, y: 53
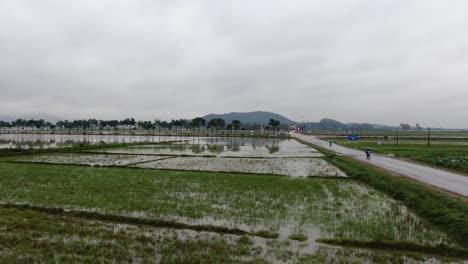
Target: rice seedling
x: 254, y: 148
x: 88, y: 159
x: 30, y: 236
x: 175, y: 205
x: 341, y: 209
x: 296, y: 167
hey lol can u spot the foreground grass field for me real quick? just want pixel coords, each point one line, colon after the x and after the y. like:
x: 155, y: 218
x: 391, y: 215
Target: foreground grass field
x: 75, y: 213
x: 283, y: 205
x: 280, y: 210
x: 34, y: 237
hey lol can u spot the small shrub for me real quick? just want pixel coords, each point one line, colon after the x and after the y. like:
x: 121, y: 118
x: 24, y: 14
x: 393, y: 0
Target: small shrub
x: 298, y: 237
x: 266, y: 234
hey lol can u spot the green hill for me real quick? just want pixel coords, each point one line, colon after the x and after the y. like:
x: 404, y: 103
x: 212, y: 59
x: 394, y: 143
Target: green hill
x: 257, y: 117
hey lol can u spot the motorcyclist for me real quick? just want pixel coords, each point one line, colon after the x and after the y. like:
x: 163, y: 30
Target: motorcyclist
x: 368, y: 153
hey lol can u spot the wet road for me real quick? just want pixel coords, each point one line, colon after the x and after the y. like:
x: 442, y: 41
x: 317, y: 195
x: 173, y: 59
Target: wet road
x: 448, y: 181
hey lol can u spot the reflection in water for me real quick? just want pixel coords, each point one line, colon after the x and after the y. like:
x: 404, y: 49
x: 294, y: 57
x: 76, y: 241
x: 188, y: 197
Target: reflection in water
x: 44, y: 141
x: 197, y: 149
x: 233, y: 144
x: 195, y: 145
x: 223, y: 147
x: 235, y: 148
x: 272, y: 149
x: 217, y: 149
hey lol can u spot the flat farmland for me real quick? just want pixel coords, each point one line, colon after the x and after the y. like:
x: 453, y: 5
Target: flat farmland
x: 205, y: 200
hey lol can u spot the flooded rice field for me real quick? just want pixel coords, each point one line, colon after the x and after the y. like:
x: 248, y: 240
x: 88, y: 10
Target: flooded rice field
x: 295, y: 167
x: 45, y: 141
x: 124, y: 243
x: 225, y: 147
x: 315, y: 208
x: 90, y: 159
x: 263, y: 156
x: 338, y: 209
x: 292, y: 211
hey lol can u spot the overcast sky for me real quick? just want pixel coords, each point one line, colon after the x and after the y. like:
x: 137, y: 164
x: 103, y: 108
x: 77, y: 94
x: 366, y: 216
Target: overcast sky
x: 353, y: 60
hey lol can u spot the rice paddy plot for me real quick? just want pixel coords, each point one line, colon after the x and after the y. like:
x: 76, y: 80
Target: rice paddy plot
x: 89, y: 159
x: 28, y: 236
x: 105, y: 212
x: 229, y: 147
x: 295, y: 167
x: 255, y: 203
x: 46, y: 141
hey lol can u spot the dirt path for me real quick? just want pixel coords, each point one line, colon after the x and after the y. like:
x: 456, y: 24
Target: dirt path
x: 451, y: 182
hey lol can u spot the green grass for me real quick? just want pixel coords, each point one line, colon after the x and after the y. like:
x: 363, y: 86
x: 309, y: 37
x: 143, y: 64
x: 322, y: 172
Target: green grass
x: 298, y: 237
x: 138, y: 221
x: 441, y: 250
x: 454, y: 157
x: 392, y: 133
x: 446, y: 213
x: 337, y: 208
x: 35, y: 237
x: 70, y: 213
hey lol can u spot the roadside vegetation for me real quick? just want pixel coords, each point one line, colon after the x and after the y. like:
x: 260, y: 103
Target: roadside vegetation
x: 446, y: 213
x: 453, y: 156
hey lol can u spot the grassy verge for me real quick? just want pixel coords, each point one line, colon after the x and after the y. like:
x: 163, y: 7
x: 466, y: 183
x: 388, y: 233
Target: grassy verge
x: 298, y: 237
x: 439, y: 250
x: 446, y: 213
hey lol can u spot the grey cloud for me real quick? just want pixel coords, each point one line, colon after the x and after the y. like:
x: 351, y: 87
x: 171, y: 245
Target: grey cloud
x: 354, y: 60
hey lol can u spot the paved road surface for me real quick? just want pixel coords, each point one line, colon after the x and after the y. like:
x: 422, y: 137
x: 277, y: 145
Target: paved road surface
x: 448, y: 181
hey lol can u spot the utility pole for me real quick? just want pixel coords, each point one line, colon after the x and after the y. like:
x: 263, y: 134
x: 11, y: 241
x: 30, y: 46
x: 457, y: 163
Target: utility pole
x: 428, y: 137
x: 397, y: 137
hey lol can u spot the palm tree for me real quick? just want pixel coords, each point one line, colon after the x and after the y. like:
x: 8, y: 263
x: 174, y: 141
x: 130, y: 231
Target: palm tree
x: 217, y: 123
x: 59, y: 124
x: 275, y: 124
x: 236, y: 124
x: 198, y: 122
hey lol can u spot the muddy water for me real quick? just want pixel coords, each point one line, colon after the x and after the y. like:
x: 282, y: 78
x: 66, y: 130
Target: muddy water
x: 295, y: 167
x: 38, y: 141
x: 226, y: 147
x: 90, y: 159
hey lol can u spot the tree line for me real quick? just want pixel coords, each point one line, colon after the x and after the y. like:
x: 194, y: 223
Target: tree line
x: 131, y: 123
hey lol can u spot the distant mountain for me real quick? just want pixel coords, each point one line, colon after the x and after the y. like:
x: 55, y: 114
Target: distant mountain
x: 257, y: 117
x: 45, y: 116
x: 6, y: 118
x: 327, y: 123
